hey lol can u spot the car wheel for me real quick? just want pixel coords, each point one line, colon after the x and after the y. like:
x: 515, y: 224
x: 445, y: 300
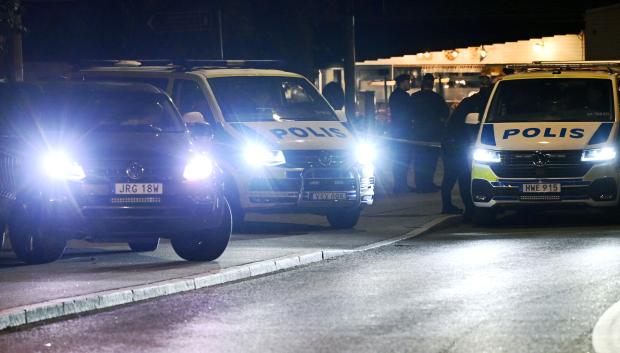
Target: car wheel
x: 344, y: 219
x: 484, y: 216
x: 238, y: 217
x: 206, y: 245
x: 144, y: 245
x: 31, y: 243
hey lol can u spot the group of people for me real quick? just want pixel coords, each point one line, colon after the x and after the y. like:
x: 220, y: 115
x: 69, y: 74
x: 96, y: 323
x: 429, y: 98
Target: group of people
x: 423, y: 128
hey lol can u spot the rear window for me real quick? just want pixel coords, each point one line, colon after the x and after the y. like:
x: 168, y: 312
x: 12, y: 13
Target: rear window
x: 553, y: 99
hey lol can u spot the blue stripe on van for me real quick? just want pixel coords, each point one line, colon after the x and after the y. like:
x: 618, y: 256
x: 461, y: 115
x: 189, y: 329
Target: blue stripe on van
x: 602, y: 134
x: 488, y: 135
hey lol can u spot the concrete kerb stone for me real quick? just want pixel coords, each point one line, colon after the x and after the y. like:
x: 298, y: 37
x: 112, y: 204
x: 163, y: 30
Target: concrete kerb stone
x: 20, y: 316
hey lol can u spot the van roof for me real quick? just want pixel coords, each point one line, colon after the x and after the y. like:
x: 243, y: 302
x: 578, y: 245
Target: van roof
x: 205, y: 72
x: 550, y: 73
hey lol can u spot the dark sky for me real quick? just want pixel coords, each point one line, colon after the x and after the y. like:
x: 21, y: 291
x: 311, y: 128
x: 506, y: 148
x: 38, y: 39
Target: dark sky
x: 306, y: 34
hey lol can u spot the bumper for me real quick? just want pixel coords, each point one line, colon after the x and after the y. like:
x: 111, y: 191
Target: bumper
x: 598, y: 188
x: 307, y: 190
x: 92, y: 209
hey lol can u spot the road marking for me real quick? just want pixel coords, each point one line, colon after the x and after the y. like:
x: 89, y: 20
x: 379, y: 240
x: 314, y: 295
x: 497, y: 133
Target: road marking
x: 606, y: 333
x: 57, y: 308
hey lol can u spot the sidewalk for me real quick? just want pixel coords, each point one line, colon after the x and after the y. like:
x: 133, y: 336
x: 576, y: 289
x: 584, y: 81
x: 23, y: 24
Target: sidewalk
x: 279, y: 241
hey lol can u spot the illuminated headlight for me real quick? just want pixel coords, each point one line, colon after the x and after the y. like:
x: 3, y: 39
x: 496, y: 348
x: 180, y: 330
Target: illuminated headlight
x: 259, y: 155
x: 365, y: 153
x: 199, y: 167
x: 59, y: 166
x: 487, y: 156
x: 599, y: 154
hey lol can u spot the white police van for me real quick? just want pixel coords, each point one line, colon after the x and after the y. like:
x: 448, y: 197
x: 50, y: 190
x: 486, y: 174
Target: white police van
x: 279, y: 141
x: 548, y: 137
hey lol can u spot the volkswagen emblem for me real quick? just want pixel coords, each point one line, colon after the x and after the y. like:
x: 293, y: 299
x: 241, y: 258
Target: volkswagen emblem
x: 326, y: 159
x: 540, y: 159
x: 135, y: 170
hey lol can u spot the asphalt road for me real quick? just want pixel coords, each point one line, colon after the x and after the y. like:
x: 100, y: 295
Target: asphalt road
x: 535, y: 287
x: 88, y: 268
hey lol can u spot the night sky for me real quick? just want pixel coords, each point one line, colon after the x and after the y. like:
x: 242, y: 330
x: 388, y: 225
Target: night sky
x: 307, y: 34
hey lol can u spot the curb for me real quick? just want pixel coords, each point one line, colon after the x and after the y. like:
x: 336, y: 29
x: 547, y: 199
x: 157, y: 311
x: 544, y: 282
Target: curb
x: 58, y: 308
x: 606, y: 332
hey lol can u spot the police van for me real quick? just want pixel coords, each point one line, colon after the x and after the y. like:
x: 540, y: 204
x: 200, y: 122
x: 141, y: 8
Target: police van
x: 548, y: 137
x: 280, y: 143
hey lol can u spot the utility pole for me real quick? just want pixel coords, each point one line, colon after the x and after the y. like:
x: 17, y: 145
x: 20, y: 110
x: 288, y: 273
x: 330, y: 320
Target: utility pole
x: 349, y: 61
x: 221, y: 32
x: 14, y: 58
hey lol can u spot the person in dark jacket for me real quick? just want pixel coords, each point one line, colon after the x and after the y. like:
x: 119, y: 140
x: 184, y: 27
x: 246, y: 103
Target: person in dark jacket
x: 430, y: 113
x: 400, y: 128
x: 456, y: 149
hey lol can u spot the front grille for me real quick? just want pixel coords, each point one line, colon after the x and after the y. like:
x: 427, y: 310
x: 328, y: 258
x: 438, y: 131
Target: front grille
x: 316, y: 158
x: 134, y: 200
x: 539, y: 197
x: 117, y: 171
x: 556, y: 164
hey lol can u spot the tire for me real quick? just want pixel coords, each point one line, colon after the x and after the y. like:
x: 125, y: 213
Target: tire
x: 145, y: 245
x: 344, y: 219
x: 484, y: 216
x: 232, y: 195
x: 206, y: 245
x: 238, y: 217
x: 30, y: 242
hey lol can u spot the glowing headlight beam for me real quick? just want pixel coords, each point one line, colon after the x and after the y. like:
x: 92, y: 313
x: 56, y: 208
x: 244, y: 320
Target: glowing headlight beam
x: 486, y: 156
x: 198, y: 168
x: 258, y: 155
x: 58, y: 165
x: 599, y: 154
x: 365, y: 153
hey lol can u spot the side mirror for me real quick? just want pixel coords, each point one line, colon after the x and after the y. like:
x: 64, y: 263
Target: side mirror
x: 472, y: 119
x: 193, y: 117
x: 197, y: 125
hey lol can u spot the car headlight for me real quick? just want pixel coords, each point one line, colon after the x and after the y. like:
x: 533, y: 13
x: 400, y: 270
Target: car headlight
x: 365, y: 153
x: 198, y: 168
x: 487, y: 156
x: 598, y: 154
x: 59, y: 166
x: 259, y: 155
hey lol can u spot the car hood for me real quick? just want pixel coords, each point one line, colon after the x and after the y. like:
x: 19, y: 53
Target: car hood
x: 297, y: 135
x: 546, y: 136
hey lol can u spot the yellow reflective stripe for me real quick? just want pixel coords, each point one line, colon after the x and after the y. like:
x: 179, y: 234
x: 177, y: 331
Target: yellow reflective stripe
x: 483, y: 171
x: 602, y: 171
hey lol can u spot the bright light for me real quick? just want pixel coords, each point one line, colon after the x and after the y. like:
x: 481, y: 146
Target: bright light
x: 365, y: 153
x: 259, y: 155
x: 200, y: 167
x: 487, y: 156
x: 58, y: 165
x: 599, y: 154
x: 539, y: 47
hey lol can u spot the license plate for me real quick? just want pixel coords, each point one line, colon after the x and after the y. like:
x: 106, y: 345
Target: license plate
x: 542, y: 188
x: 327, y: 196
x: 138, y: 188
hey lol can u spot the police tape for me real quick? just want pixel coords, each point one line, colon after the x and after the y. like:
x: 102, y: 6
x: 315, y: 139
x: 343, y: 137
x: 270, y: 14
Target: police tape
x: 411, y: 142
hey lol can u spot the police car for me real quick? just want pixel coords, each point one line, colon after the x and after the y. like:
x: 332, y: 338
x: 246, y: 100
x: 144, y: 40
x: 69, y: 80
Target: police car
x: 548, y: 136
x: 282, y: 147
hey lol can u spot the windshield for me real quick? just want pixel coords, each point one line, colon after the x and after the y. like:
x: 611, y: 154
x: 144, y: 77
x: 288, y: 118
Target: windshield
x: 267, y: 98
x: 88, y: 108
x: 572, y: 99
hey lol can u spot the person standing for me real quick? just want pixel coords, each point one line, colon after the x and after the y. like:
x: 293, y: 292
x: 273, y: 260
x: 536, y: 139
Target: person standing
x: 400, y: 128
x: 430, y: 113
x: 456, y: 149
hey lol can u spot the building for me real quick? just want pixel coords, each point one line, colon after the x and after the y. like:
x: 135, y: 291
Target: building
x: 602, y: 33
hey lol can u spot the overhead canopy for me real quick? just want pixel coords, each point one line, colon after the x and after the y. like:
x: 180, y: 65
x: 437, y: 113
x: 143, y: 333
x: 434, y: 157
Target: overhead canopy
x: 568, y: 47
